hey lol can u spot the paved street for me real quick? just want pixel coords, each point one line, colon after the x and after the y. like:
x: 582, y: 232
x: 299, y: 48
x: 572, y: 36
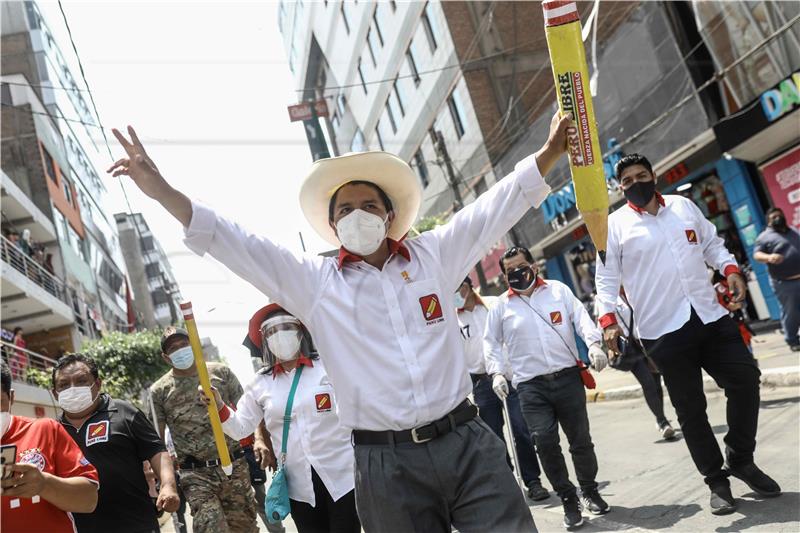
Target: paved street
x: 652, y: 484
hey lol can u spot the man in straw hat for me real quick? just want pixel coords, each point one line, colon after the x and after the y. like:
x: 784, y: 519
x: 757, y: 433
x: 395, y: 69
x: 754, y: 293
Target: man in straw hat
x: 383, y: 319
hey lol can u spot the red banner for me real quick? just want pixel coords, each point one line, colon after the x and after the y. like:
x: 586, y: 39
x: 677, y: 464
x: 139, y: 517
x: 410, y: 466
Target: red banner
x: 782, y: 176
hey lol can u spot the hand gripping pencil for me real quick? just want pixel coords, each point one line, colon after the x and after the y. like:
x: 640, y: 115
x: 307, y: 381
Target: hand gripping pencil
x: 568, y: 58
x: 202, y: 372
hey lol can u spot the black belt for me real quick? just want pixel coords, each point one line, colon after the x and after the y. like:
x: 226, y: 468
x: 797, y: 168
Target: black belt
x: 557, y: 374
x: 465, y: 412
x: 192, y: 463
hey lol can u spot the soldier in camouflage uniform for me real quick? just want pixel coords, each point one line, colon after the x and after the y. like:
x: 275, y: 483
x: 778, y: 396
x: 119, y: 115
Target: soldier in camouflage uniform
x: 219, y: 504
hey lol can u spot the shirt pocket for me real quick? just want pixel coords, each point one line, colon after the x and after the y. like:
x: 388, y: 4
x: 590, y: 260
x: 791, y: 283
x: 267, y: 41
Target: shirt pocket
x: 425, y: 306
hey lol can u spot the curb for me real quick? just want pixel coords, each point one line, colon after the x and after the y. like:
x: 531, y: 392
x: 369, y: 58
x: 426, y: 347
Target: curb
x: 788, y: 376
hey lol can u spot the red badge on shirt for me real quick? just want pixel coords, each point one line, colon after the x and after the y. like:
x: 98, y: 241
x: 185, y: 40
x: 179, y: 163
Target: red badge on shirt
x: 97, y: 432
x: 323, y: 402
x: 691, y: 236
x: 555, y: 317
x: 431, y: 308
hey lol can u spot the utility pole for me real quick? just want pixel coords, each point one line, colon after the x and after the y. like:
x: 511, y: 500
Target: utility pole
x: 444, y: 155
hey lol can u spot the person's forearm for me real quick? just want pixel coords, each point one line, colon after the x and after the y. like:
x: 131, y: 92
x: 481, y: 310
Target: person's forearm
x: 72, y: 494
x: 263, y: 435
x: 177, y: 203
x: 162, y: 466
x: 546, y: 158
x: 761, y: 257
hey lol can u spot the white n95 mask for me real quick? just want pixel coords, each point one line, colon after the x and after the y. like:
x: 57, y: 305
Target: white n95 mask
x: 284, y: 344
x: 75, y: 399
x: 361, y: 233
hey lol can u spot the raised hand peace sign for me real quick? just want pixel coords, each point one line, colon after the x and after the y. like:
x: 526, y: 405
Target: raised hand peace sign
x: 137, y: 165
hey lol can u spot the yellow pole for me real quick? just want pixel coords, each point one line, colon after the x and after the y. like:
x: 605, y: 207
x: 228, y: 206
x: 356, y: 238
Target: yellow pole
x: 568, y: 58
x: 202, y: 372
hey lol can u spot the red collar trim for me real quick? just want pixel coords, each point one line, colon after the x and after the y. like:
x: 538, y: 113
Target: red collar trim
x: 278, y: 368
x: 478, y: 301
x: 640, y: 211
x: 538, y: 283
x: 395, y: 247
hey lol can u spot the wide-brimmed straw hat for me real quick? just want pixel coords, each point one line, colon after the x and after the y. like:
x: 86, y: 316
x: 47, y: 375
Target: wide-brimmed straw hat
x: 387, y: 171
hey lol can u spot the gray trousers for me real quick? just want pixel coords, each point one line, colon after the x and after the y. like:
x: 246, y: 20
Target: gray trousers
x: 459, y: 479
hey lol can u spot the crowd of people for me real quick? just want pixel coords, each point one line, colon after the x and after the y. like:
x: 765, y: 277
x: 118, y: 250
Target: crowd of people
x: 369, y: 359
x: 23, y: 246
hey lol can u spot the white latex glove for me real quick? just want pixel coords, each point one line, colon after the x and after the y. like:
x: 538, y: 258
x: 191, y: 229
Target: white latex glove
x: 500, y: 386
x: 598, y: 357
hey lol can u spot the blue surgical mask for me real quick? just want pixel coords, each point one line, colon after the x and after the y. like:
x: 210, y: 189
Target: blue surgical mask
x: 182, y: 358
x: 459, y: 300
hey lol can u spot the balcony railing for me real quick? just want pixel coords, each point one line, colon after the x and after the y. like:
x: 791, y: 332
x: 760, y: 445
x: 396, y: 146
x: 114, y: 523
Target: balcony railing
x: 14, y: 256
x: 27, y: 366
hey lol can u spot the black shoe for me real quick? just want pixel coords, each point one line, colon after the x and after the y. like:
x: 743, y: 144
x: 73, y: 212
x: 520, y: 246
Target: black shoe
x: 594, y: 503
x: 757, y: 480
x: 573, y: 518
x: 536, y: 492
x: 722, y: 501
x: 794, y: 347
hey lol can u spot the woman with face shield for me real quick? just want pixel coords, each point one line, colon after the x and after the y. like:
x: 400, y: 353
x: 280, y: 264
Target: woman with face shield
x: 317, y: 456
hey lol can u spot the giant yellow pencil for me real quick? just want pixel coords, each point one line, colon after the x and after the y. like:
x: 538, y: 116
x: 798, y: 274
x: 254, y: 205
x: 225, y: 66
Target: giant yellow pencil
x: 202, y: 372
x: 568, y: 58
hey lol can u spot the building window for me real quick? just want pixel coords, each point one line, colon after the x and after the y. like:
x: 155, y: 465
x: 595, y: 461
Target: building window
x: 361, y: 77
x: 147, y: 244
x: 430, y: 31
x: 390, y: 116
x: 344, y: 18
x: 153, y: 271
x: 292, y: 59
x: 6, y: 96
x: 49, y: 166
x: 421, y: 168
x: 335, y: 121
x: 340, y: 103
x: 393, y: 4
x: 412, y: 65
x: 358, y: 144
x: 378, y: 135
x: 66, y: 187
x: 456, y: 113
x: 371, y: 46
x: 378, y: 32
x: 398, y: 97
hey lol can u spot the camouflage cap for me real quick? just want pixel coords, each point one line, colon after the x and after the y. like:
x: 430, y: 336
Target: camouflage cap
x: 171, y: 332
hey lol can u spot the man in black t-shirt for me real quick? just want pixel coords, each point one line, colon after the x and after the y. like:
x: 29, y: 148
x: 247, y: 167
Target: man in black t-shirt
x: 116, y: 438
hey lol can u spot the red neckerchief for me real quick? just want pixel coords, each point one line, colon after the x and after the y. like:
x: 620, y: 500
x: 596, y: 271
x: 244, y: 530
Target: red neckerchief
x: 395, y: 247
x: 278, y: 368
x: 538, y: 283
x: 640, y: 210
x: 478, y: 301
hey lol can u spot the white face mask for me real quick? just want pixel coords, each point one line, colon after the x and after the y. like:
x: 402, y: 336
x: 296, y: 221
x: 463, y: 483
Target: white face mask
x: 284, y: 344
x: 361, y: 233
x: 75, y: 399
x: 459, y: 300
x: 5, y: 421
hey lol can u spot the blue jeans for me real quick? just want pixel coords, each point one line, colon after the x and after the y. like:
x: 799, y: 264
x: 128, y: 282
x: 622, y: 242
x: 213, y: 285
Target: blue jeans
x: 788, y: 293
x: 490, y: 409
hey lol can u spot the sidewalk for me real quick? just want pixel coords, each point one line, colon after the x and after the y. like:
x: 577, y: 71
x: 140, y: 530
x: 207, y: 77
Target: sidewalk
x: 780, y: 367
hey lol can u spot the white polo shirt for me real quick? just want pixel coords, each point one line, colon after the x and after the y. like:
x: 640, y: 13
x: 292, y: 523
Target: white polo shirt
x: 537, y: 332
x: 661, y: 261
x: 389, y: 337
x: 316, y: 438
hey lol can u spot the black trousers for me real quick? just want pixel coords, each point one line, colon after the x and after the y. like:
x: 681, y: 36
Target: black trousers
x: 718, y: 349
x: 546, y: 404
x: 328, y: 515
x: 651, y: 388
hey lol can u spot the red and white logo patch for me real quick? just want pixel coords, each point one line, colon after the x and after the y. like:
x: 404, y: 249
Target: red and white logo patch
x: 556, y: 318
x: 323, y: 402
x: 691, y: 236
x: 431, y: 308
x: 33, y: 457
x: 97, y: 432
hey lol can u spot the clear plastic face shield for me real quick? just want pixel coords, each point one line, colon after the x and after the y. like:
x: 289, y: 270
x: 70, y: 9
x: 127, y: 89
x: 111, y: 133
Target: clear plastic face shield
x: 281, y: 338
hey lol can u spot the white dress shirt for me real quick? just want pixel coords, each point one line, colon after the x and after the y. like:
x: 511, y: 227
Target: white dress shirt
x: 316, y: 438
x: 389, y: 337
x: 536, y: 347
x: 661, y: 261
x: 473, y: 324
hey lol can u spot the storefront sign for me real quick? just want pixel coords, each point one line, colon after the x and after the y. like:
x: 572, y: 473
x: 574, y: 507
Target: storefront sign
x: 784, y: 98
x: 676, y: 173
x: 782, y: 176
